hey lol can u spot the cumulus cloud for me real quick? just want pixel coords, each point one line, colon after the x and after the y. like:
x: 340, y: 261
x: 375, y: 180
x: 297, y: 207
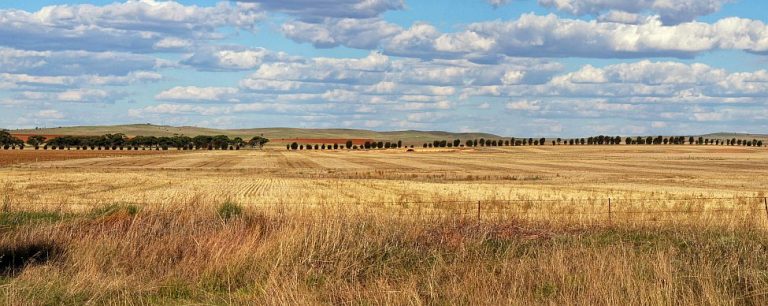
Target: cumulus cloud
x: 314, y: 9
x: 676, y: 11
x: 220, y: 58
x: 194, y: 93
x: 136, y: 25
x: 547, y: 36
x: 72, y: 63
x: 378, y: 74
x: 684, y: 82
x: 366, y: 70
x: 53, y: 83
x: 533, y: 35
x: 207, y: 110
x: 83, y: 95
x: 333, y: 32
x: 49, y: 114
x: 524, y: 105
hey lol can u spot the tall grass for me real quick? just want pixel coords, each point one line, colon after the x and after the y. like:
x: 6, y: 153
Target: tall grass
x: 337, y: 256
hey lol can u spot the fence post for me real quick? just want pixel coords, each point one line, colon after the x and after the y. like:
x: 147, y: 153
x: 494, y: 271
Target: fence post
x: 765, y: 201
x: 478, y: 210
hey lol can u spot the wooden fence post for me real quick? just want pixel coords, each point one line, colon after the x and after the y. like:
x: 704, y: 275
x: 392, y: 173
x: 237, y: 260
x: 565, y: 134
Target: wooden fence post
x: 478, y: 210
x: 765, y: 202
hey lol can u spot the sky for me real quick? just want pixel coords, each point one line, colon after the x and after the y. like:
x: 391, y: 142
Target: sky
x: 564, y: 68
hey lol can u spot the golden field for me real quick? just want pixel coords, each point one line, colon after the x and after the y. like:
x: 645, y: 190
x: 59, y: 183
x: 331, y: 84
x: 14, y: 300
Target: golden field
x: 512, y: 225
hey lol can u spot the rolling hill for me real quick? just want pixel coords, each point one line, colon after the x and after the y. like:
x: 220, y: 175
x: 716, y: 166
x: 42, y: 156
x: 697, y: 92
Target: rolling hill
x: 410, y: 136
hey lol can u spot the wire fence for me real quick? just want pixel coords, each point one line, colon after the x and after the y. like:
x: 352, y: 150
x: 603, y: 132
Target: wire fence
x: 607, y: 209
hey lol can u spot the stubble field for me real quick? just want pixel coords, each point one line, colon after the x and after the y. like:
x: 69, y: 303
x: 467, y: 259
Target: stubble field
x: 548, y: 225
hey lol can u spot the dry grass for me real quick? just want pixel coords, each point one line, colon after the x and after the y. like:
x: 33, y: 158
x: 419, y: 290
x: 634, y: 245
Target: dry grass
x: 389, y: 228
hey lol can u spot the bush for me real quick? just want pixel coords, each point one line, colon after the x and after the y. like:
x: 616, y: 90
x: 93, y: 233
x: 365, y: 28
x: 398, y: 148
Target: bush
x: 229, y: 210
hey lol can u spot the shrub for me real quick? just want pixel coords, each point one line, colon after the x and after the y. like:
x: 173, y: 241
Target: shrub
x: 229, y: 210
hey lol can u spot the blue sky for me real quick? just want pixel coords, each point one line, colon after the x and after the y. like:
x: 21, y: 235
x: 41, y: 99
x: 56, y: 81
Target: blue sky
x: 516, y: 67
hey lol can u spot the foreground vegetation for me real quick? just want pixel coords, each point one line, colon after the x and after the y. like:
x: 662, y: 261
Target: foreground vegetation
x: 232, y: 254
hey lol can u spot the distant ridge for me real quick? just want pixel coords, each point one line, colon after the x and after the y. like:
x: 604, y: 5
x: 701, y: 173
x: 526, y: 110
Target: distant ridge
x: 410, y: 136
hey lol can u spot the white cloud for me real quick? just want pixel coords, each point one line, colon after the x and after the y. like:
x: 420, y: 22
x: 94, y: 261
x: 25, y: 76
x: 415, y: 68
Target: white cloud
x: 524, y: 105
x: 135, y: 25
x: 331, y: 32
x: 59, y: 83
x: 49, y: 114
x: 207, y: 110
x: 314, y: 9
x: 367, y: 70
x: 644, y: 82
x: 71, y: 63
x: 658, y: 124
x: 194, y: 93
x: 234, y: 58
x: 704, y: 117
x: 547, y: 36
x: 86, y: 96
x: 498, y: 3
x: 173, y: 43
x: 621, y: 17
x: 671, y: 11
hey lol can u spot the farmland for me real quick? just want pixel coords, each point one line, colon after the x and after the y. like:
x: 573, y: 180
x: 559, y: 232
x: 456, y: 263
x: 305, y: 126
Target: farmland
x: 530, y: 225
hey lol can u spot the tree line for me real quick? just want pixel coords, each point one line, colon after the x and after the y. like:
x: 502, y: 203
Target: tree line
x: 222, y: 142
x: 595, y: 140
x: 122, y: 142
x: 349, y: 145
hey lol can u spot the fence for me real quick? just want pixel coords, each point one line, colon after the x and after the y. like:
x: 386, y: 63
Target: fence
x: 607, y: 209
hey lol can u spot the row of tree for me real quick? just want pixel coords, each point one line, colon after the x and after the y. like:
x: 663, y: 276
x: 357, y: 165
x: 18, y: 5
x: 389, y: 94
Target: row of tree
x: 223, y: 142
x: 349, y: 145
x: 596, y: 140
x: 482, y: 142
x: 122, y: 142
x: 7, y: 140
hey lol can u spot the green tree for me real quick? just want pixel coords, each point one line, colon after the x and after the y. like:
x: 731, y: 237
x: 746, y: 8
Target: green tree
x: 258, y: 141
x: 36, y: 140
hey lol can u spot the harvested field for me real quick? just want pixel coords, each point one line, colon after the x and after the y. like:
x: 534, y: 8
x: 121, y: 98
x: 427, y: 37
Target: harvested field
x: 545, y: 225
x: 501, y: 174
x: 15, y: 157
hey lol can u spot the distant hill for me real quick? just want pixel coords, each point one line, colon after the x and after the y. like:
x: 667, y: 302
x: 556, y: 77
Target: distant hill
x: 410, y: 136
x: 735, y: 135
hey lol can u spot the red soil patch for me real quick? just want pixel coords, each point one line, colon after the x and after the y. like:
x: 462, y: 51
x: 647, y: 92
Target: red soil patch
x: 24, y: 137
x: 357, y: 141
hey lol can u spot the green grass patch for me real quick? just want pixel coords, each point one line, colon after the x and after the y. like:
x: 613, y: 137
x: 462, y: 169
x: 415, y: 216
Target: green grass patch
x: 19, y: 218
x: 229, y: 210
